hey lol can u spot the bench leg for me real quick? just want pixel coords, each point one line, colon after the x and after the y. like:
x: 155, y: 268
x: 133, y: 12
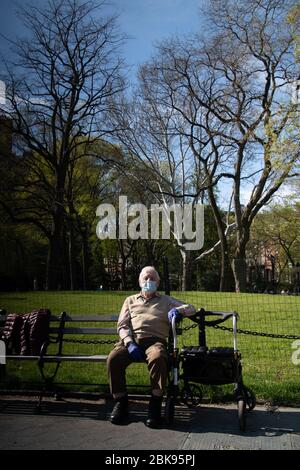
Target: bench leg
x: 39, y: 404
x: 48, y: 383
x: 58, y: 396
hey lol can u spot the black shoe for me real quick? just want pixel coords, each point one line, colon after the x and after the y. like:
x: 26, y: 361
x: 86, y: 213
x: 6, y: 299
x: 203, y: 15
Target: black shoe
x: 119, y: 414
x: 154, y: 412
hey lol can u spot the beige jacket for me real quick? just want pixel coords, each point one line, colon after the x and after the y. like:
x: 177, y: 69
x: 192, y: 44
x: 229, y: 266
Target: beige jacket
x: 142, y: 318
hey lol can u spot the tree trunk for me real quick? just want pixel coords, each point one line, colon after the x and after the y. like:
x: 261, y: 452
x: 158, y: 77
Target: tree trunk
x: 226, y: 274
x: 239, y: 267
x: 239, y: 263
x: 56, y: 268
x: 55, y: 272
x: 186, y: 270
x: 123, y: 273
x: 71, y: 255
x: 84, y: 260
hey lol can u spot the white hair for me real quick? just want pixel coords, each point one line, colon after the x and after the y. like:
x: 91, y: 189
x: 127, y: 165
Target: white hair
x: 146, y: 268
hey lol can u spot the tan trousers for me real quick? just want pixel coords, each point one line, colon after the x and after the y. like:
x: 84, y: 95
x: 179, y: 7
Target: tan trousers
x: 156, y: 359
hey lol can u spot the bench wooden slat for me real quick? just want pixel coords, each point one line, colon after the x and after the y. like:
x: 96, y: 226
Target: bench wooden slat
x: 85, y: 331
x: 79, y: 318
x: 86, y: 318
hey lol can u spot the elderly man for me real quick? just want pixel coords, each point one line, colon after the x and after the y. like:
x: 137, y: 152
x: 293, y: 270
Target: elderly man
x: 143, y: 327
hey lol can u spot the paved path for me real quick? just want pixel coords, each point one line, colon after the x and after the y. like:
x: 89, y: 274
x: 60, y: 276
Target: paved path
x: 84, y: 424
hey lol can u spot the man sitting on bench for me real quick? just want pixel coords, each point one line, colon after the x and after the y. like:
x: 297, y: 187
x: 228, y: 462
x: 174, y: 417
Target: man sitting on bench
x: 143, y: 327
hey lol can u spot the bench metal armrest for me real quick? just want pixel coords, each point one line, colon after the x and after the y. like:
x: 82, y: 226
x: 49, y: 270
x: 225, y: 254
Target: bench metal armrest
x: 43, y: 352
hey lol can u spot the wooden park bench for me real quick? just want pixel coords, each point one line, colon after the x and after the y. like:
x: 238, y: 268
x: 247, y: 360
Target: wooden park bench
x: 63, y: 330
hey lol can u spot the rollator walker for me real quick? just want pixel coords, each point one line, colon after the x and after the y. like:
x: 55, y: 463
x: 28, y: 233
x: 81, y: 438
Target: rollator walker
x: 195, y: 365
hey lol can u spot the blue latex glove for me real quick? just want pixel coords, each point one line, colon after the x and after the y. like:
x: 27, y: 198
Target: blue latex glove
x: 174, y: 313
x: 135, y: 352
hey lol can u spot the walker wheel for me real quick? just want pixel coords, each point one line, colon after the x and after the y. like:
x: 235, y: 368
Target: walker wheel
x: 250, y: 398
x: 242, y: 413
x: 191, y: 395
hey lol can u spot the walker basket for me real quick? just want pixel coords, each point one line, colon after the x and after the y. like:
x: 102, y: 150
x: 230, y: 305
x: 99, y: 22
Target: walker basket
x: 216, y: 366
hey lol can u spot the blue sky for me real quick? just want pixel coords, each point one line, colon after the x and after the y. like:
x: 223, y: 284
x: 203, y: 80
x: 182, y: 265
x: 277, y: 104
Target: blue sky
x: 144, y: 21
x: 150, y: 20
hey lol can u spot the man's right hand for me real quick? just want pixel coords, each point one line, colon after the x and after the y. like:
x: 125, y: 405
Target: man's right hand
x: 135, y: 352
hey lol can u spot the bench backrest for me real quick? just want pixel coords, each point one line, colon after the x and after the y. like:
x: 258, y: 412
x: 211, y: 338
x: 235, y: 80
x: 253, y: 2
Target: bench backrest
x: 66, y: 328
x: 64, y: 323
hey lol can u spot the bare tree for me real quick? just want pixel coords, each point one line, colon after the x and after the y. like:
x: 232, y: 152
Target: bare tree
x: 57, y: 91
x: 155, y: 136
x: 227, y: 93
x: 165, y: 127
x: 257, y: 66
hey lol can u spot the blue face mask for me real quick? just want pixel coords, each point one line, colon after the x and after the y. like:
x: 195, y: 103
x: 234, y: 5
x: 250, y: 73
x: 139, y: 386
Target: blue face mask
x: 149, y: 286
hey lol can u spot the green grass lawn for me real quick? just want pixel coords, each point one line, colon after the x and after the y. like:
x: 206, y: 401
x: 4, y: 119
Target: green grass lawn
x: 267, y: 362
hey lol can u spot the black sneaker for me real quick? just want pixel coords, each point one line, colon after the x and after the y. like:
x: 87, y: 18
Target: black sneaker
x: 154, y: 412
x: 119, y: 414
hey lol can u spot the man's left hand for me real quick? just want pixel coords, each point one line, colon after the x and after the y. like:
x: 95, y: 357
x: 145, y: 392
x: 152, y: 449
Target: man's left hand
x: 174, y: 313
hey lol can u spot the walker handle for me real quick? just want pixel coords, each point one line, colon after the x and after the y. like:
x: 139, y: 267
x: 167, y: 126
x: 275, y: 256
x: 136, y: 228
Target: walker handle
x: 174, y: 332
